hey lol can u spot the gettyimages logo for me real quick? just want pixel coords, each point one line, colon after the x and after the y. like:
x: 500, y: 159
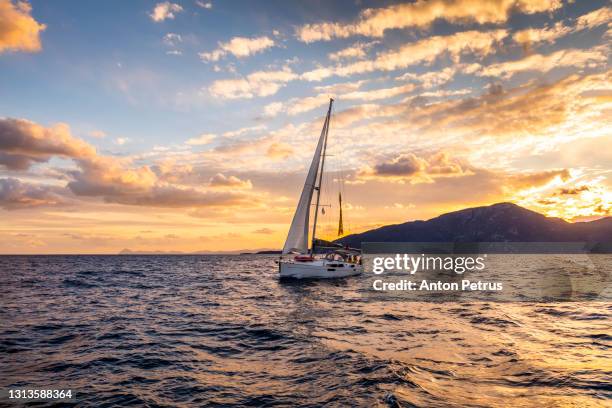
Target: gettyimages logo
x: 413, y: 264
x: 488, y: 271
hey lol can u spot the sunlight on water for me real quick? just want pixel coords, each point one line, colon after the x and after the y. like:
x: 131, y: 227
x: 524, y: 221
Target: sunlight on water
x: 208, y: 330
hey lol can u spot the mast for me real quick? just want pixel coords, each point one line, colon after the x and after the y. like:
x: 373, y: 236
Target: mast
x: 316, y: 214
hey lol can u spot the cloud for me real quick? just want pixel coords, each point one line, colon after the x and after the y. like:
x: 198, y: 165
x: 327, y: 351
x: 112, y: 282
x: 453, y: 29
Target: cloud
x: 15, y: 194
x: 23, y: 143
x: 479, y: 43
x: 595, y: 18
x: 203, y: 139
x: 121, y: 140
x: 536, y: 179
x: 407, y: 167
x: 98, y: 134
x: 572, y: 190
x: 544, y: 63
x: 279, y: 151
x: 235, y: 146
x: 165, y: 10
x: 431, y: 79
x: 240, y: 47
x: 366, y: 111
x: 531, y: 36
x: 376, y: 94
x: 355, y: 51
x: 102, y: 175
x: 296, y: 106
x: 265, y: 231
x: 521, y: 120
x: 220, y: 180
x: 19, y: 31
x: 442, y: 93
x: 172, y: 39
x: 169, y: 196
x: 244, y: 130
x: 115, y: 182
x: 421, y: 14
x: 260, y: 83
x: 335, y: 89
x: 273, y: 109
x: 204, y: 4
x: 568, y: 195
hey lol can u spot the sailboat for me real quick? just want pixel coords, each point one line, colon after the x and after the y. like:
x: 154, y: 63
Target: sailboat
x: 336, y: 261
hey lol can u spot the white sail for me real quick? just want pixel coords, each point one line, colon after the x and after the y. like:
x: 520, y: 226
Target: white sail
x: 297, y: 239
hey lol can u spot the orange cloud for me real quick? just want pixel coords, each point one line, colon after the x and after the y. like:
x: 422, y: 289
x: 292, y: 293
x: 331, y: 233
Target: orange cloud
x: 279, y: 151
x: 421, y: 14
x: 528, y: 111
x: 407, y: 167
x: 568, y: 196
x: 239, y: 47
x: 109, y: 179
x: 203, y: 139
x: 531, y: 36
x: 339, y: 88
x: 165, y: 10
x: 296, y: 106
x: 265, y: 231
x: 260, y: 83
x: 18, y: 29
x: 528, y: 180
x: 23, y: 143
x: 433, y: 78
x: 355, y: 51
x: 366, y: 111
x: 596, y: 56
x: 595, y: 18
x: 427, y: 50
x: 220, y: 180
x: 376, y: 94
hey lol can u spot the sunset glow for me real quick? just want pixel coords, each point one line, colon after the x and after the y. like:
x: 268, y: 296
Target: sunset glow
x: 188, y: 126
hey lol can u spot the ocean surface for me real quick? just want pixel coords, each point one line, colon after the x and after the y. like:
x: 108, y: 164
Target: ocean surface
x: 222, y: 331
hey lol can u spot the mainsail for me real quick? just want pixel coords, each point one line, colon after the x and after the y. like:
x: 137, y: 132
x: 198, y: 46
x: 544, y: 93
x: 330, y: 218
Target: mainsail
x: 297, y: 239
x: 340, y: 226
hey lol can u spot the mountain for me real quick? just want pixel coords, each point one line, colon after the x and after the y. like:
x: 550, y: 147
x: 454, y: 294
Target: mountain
x: 503, y: 222
x: 127, y: 251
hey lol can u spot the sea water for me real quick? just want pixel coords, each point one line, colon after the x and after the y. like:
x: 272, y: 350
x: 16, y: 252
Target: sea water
x: 223, y: 331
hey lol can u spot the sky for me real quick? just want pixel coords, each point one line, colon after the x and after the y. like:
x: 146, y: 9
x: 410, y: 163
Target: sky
x: 188, y: 125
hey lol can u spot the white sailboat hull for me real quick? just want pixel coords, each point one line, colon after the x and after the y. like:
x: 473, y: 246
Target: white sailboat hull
x: 318, y: 269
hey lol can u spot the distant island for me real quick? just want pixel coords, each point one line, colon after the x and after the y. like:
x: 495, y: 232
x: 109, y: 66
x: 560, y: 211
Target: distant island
x: 127, y: 251
x: 502, y: 222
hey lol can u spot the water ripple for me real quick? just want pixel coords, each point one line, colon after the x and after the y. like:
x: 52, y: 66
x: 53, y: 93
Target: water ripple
x: 222, y: 331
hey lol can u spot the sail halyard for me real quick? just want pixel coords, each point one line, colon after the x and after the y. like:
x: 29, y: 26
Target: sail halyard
x: 318, y: 189
x: 297, y: 238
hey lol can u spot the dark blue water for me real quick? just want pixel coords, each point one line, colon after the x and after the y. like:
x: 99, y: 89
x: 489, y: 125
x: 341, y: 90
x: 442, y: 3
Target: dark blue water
x: 223, y: 331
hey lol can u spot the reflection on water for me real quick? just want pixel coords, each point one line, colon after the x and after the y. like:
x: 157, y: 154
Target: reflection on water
x: 223, y: 331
